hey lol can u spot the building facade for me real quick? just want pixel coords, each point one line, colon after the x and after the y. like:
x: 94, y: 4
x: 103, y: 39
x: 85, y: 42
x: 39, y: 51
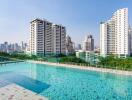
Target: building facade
x: 78, y: 47
x: 114, y: 34
x: 88, y: 56
x: 69, y: 45
x: 46, y: 38
x: 88, y: 43
x: 130, y: 39
x: 11, y: 47
x: 59, y: 34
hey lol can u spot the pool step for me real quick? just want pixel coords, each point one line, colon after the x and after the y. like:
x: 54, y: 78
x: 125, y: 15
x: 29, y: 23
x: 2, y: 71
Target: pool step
x: 7, y: 62
x: 16, y: 92
x: 24, y: 81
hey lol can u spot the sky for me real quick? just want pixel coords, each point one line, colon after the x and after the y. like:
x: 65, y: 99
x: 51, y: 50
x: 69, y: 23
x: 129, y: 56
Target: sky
x: 80, y: 17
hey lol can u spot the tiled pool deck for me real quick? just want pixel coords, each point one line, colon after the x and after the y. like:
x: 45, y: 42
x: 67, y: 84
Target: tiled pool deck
x: 16, y: 92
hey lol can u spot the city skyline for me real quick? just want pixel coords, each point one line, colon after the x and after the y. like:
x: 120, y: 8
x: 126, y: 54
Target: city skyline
x: 80, y: 19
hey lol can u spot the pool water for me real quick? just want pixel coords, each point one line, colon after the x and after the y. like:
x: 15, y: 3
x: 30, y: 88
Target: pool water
x: 60, y: 83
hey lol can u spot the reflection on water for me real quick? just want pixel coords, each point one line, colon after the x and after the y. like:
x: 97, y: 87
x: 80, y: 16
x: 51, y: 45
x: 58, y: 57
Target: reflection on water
x: 75, y: 84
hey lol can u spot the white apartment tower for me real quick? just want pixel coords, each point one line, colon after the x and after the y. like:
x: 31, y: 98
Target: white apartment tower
x: 44, y: 38
x: 114, y: 34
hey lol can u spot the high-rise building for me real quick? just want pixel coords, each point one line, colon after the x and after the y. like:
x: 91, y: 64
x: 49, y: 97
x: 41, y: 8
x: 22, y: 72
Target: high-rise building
x: 59, y: 39
x: 23, y: 46
x: 78, y: 47
x: 114, y: 34
x: 41, y: 37
x: 10, y: 47
x: 69, y: 45
x: 130, y: 39
x: 6, y: 46
x: 46, y: 38
x: 88, y: 43
x: 2, y: 48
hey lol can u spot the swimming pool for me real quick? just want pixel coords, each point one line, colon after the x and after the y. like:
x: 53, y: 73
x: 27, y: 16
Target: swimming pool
x: 59, y: 83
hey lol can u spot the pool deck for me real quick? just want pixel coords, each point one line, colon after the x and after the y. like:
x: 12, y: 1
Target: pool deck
x: 7, y: 62
x: 120, y: 72
x: 16, y: 92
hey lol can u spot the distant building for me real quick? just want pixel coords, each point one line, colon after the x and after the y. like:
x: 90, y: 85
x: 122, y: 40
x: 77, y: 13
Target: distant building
x: 78, y: 47
x: 130, y: 39
x: 10, y: 48
x: 27, y: 51
x: 88, y: 43
x: 47, y: 38
x: 2, y: 48
x: 97, y: 49
x: 74, y: 45
x: 17, y: 47
x: 88, y: 56
x: 69, y: 45
x: 81, y: 54
x: 23, y: 46
x: 5, y: 47
x: 114, y: 34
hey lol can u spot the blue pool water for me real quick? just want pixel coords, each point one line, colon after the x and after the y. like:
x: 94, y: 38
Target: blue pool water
x: 59, y: 83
